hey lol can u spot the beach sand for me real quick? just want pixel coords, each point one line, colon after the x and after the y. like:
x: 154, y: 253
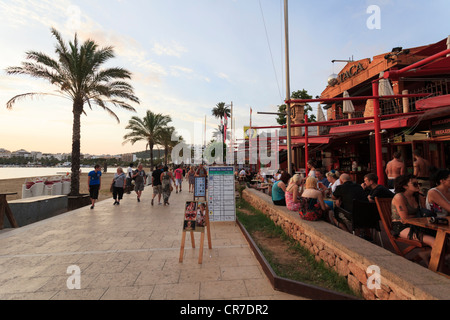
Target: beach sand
x: 15, y: 185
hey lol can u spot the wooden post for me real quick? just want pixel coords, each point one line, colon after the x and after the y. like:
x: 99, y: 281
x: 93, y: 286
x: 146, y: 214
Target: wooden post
x: 6, y: 210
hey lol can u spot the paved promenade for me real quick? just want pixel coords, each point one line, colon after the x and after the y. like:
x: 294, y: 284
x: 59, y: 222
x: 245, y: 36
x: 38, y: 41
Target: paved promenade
x: 129, y: 251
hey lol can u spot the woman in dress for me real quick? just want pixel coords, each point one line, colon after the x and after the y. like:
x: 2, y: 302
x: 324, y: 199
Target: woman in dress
x: 166, y: 179
x: 293, y: 193
x: 312, y: 205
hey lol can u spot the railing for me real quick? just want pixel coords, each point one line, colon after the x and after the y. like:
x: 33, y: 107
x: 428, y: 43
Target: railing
x: 395, y: 106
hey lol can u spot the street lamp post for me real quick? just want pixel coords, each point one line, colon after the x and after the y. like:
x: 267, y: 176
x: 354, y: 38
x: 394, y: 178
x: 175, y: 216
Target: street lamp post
x: 288, y: 89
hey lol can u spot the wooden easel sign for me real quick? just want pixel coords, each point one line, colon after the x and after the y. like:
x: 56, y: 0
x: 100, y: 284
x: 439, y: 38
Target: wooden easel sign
x: 196, y: 219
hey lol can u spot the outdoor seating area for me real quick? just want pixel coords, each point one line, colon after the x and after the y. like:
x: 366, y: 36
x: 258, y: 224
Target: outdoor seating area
x: 356, y: 214
x: 46, y: 186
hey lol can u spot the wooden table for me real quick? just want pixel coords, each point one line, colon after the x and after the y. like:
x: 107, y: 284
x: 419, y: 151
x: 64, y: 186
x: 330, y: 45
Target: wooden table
x: 437, y: 252
x: 6, y: 210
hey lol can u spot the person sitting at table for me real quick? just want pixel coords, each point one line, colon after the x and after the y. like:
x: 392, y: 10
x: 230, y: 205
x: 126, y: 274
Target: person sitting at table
x: 279, y: 190
x: 321, y: 178
x: 345, y: 194
x: 373, y: 189
x: 405, y: 204
x: 438, y: 198
x: 293, y: 193
x: 312, y: 205
x: 333, y: 178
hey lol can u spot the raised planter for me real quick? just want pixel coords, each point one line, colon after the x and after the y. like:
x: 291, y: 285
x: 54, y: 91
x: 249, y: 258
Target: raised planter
x: 77, y: 202
x: 353, y: 257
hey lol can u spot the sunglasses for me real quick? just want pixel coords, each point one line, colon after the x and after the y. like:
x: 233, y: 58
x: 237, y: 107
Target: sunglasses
x: 416, y: 184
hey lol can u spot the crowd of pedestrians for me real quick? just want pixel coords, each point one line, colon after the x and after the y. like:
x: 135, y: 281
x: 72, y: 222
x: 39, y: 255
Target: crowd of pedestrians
x: 163, y: 180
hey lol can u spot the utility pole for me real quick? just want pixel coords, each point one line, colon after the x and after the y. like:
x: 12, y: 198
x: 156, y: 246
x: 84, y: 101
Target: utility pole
x: 288, y: 89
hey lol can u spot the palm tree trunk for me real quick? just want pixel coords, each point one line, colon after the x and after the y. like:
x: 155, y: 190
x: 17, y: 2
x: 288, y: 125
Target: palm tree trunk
x: 151, y: 156
x: 76, y: 149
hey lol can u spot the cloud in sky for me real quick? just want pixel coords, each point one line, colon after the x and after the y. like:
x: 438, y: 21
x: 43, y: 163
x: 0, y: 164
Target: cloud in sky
x: 186, y: 56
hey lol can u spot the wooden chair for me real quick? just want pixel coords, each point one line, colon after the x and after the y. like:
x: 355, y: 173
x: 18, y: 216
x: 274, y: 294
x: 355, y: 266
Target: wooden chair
x: 385, y: 210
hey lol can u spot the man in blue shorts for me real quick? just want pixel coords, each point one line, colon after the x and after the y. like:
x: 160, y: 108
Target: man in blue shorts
x: 94, y: 184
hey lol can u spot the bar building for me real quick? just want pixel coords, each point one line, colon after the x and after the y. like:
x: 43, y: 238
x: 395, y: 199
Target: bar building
x: 407, y: 124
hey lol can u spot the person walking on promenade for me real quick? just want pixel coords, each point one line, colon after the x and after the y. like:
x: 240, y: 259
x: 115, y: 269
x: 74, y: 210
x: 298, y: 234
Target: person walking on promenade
x: 129, y: 178
x: 191, y: 178
x: 94, y: 184
x: 156, y: 183
x: 118, y: 184
x: 166, y: 178
x: 141, y: 179
x: 395, y: 169
x: 178, y: 178
x: 201, y: 172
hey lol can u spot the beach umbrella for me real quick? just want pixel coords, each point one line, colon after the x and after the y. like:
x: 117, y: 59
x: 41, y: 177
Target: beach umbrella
x: 348, y: 104
x: 385, y: 88
x: 320, y: 117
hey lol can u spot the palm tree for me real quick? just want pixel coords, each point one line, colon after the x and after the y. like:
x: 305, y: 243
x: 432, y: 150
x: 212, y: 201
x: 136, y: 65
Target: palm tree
x: 220, y: 109
x: 148, y: 129
x: 78, y: 76
x: 167, y: 141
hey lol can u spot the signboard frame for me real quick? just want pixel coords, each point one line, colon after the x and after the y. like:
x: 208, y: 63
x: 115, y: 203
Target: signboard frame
x: 222, y: 194
x: 194, y: 214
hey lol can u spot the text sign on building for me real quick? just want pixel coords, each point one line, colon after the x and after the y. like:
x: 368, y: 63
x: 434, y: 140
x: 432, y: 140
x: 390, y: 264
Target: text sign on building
x: 440, y: 128
x: 221, y: 194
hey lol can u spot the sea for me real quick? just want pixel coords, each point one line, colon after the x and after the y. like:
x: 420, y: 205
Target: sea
x: 20, y: 172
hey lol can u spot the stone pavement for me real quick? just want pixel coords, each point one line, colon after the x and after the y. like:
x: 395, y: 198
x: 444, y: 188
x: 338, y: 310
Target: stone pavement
x: 128, y: 252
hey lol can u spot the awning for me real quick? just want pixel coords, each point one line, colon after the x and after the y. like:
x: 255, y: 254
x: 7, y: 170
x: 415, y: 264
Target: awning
x: 396, y: 123
x: 434, y: 102
x: 311, y: 140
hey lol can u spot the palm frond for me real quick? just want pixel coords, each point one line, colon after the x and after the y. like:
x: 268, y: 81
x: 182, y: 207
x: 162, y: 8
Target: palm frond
x: 31, y: 95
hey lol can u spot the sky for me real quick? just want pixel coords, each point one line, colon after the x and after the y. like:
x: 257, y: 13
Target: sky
x: 186, y: 56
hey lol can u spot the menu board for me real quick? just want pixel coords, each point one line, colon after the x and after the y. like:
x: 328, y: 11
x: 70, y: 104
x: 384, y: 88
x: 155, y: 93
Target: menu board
x: 200, y: 187
x: 221, y: 194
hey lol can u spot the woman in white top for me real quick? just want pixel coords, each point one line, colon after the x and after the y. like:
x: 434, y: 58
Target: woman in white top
x: 333, y: 178
x: 438, y: 199
x: 312, y: 168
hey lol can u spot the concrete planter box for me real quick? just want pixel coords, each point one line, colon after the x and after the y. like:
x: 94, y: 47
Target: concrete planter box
x: 31, y: 210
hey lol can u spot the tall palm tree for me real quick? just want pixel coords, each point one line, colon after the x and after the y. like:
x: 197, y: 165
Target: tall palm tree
x: 77, y: 73
x: 147, y: 129
x: 220, y: 109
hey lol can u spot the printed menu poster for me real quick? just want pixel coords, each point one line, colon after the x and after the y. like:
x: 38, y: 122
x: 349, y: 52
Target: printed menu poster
x: 200, y: 187
x: 221, y: 194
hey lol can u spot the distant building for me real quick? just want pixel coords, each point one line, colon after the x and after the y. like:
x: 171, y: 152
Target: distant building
x: 5, y: 153
x: 129, y: 157
x: 21, y: 153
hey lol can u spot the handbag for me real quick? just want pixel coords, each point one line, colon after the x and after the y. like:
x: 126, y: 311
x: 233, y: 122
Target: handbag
x: 425, y: 213
x: 111, y: 189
